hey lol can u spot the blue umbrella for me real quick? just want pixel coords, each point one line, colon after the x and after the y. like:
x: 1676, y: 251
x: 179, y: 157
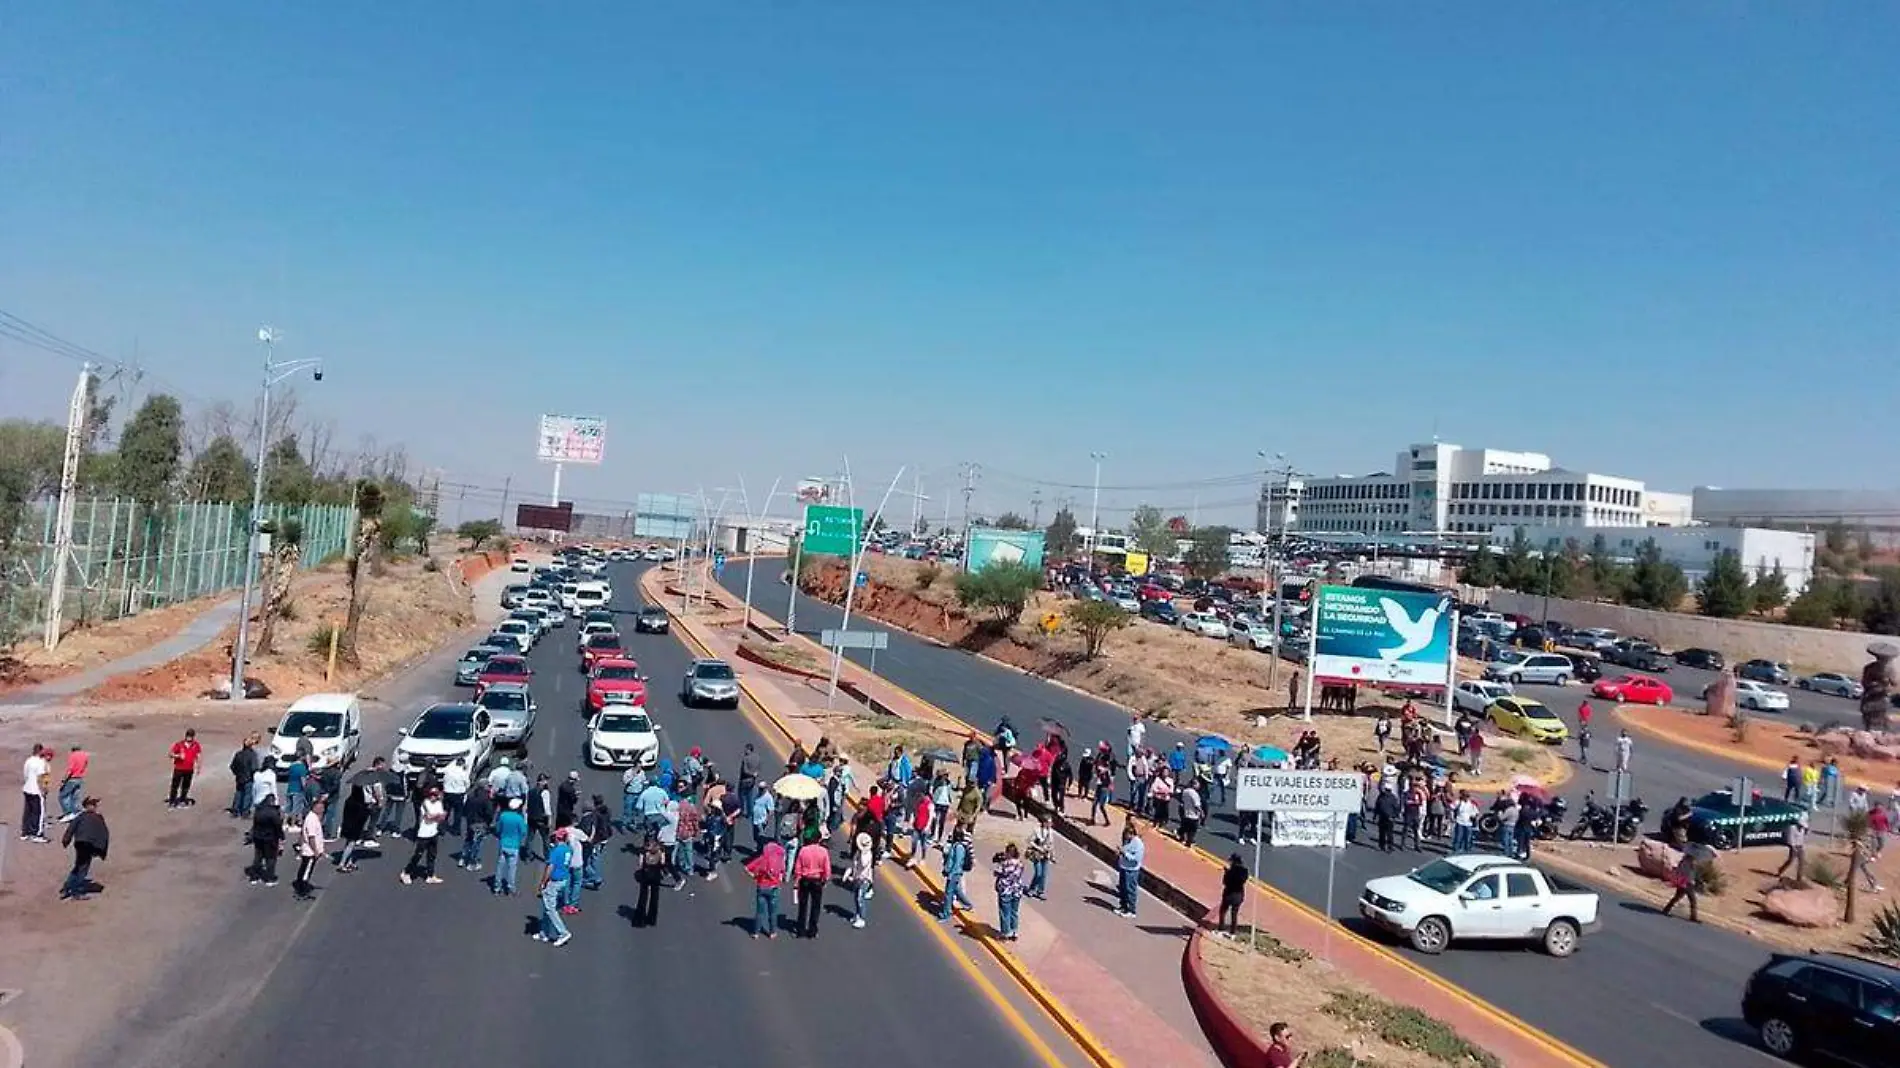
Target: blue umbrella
x: 1271, y: 754
x: 1214, y: 742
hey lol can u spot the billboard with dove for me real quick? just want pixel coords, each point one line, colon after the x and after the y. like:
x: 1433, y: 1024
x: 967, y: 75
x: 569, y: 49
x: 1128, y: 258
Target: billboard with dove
x: 1382, y: 637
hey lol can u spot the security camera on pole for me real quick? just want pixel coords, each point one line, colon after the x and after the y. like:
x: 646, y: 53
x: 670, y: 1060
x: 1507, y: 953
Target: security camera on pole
x: 274, y: 372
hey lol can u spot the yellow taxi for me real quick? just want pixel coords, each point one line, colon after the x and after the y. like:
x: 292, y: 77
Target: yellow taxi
x: 1525, y: 718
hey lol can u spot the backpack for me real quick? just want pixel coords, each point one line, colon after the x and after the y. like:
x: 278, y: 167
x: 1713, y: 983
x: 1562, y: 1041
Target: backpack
x: 969, y: 860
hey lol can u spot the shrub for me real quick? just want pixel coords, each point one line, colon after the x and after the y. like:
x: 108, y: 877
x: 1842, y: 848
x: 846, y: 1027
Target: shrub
x: 1407, y: 1028
x: 1520, y: 754
x: 1334, y: 1057
x: 1270, y: 946
x: 287, y: 609
x: 1822, y: 872
x: 429, y: 564
x: 1095, y: 620
x: 1883, y: 934
x: 1003, y: 590
x: 1710, y: 879
x: 320, y: 638
x: 927, y: 576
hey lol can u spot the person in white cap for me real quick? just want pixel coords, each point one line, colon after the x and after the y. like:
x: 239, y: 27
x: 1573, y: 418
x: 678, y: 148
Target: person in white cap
x: 861, y: 876
x: 511, y: 835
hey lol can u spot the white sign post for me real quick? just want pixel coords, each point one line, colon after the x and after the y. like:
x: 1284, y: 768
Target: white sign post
x: 1306, y: 807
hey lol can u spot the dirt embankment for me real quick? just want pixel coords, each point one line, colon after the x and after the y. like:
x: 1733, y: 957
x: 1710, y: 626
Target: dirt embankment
x: 412, y: 605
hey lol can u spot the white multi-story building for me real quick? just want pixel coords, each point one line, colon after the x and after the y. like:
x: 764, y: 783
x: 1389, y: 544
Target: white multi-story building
x: 1278, y: 509
x: 1693, y: 549
x: 1440, y: 487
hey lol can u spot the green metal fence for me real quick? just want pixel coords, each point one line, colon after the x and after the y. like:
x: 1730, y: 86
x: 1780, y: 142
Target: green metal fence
x: 128, y: 558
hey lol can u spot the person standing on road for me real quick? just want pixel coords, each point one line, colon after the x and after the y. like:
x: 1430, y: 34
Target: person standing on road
x: 567, y: 799
x: 73, y: 785
x: 1128, y: 870
x: 597, y: 823
x: 267, y: 840
x: 244, y: 764
x: 1192, y: 813
x: 185, y: 754
x: 88, y: 837
x: 1009, y: 890
x: 478, y: 815
x: 1683, y: 878
x: 511, y: 837
x: 922, y: 817
x: 1583, y: 743
x: 748, y: 782
x: 455, y: 787
x: 1584, y: 712
x: 653, y: 864
x: 1464, y: 823
x: 358, y: 809
x: 553, y: 885
x: 310, y: 849
x: 1624, y: 744
x: 1161, y: 796
x: 763, y: 816
x: 1102, y: 789
x: 430, y: 818
x: 577, y: 844
x: 860, y: 875
x: 35, y: 777
x: 1474, y: 750
x: 1137, y: 730
x: 812, y: 869
x: 768, y: 871
x: 1385, y: 809
x: 957, y: 862
x: 1293, y: 690
x: 1233, y: 891
x: 540, y: 815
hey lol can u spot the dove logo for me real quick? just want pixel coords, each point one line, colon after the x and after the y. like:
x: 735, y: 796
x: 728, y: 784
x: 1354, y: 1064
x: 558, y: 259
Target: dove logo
x: 1414, y: 634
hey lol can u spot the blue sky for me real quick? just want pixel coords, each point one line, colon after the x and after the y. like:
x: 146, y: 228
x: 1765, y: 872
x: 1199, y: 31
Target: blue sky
x: 1649, y: 240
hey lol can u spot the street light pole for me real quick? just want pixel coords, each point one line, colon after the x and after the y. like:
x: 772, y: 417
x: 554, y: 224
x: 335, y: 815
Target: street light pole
x: 274, y: 373
x: 752, y: 552
x: 1095, y: 507
x: 1270, y: 565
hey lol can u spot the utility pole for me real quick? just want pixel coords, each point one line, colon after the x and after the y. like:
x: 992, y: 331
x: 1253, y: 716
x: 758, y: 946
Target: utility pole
x: 969, y: 491
x: 1035, y: 510
x: 506, y: 484
x: 68, y: 501
x: 1095, y: 507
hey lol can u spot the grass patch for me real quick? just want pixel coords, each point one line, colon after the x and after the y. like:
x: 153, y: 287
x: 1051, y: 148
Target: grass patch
x: 1822, y: 872
x: 1267, y: 945
x: 1519, y: 755
x: 1335, y: 1057
x: 868, y: 738
x: 319, y: 642
x: 785, y: 655
x: 1407, y: 1028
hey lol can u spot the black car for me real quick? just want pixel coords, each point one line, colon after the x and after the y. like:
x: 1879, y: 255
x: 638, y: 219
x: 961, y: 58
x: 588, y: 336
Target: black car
x: 651, y: 620
x: 1706, y: 659
x: 1834, y: 1004
x: 1588, y: 668
x: 1160, y: 612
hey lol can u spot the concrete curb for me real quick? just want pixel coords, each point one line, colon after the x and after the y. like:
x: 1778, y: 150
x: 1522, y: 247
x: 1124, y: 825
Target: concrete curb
x: 1235, y: 1042
x: 1650, y: 730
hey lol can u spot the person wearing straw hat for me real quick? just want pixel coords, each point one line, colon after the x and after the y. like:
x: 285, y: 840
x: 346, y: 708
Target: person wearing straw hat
x: 861, y: 875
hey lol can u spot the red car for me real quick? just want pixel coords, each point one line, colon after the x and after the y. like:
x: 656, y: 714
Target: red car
x: 609, y: 646
x: 1634, y: 690
x: 503, y: 668
x: 618, y: 675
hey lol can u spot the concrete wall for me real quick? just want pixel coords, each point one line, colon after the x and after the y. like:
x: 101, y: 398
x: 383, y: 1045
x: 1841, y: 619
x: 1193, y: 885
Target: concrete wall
x: 1810, y: 650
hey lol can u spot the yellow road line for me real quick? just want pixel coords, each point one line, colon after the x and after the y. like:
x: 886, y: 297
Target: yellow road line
x: 1498, y: 1016
x: 1053, y: 1008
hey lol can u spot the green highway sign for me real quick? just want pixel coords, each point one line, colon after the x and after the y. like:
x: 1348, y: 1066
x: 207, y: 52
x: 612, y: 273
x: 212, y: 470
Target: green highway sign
x: 831, y: 530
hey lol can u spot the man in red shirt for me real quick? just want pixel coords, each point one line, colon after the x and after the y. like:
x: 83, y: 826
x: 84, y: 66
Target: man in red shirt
x: 1583, y: 713
x: 1280, y: 1049
x: 185, y: 754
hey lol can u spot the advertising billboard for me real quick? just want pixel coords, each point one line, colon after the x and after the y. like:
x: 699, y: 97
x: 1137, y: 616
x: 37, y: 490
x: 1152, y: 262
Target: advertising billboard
x: 989, y: 545
x: 813, y: 491
x: 1135, y: 563
x: 543, y: 517
x: 571, y: 439
x: 831, y: 530
x: 1382, y: 637
x: 664, y: 515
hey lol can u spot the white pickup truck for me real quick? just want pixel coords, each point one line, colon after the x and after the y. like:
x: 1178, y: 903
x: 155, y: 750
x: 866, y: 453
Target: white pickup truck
x: 1480, y: 896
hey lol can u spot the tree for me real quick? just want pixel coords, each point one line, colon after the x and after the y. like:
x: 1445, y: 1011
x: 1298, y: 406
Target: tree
x: 361, y: 555
x: 287, y: 478
x: 1881, y: 612
x: 280, y: 573
x: 1520, y: 570
x: 1605, y: 577
x: 1206, y: 557
x: 1654, y: 582
x: 220, y: 473
x: 151, y: 450
x: 1179, y: 526
x: 1567, y: 569
x: 1769, y: 590
x: 479, y: 532
x: 1002, y: 589
x: 1011, y: 521
x: 1096, y: 620
x: 31, y: 454
x: 1481, y: 569
x: 1815, y: 605
x: 97, y: 462
x: 1148, y: 532
x: 1059, y: 538
x: 1723, y: 591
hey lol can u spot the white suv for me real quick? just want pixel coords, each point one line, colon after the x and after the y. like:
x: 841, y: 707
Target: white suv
x: 440, y: 735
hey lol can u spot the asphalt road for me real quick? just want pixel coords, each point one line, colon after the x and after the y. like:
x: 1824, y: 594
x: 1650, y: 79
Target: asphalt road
x: 375, y: 972
x: 1643, y: 988
x: 1804, y: 706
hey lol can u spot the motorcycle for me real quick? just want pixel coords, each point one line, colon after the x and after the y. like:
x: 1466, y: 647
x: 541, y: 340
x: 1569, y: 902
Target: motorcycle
x: 1597, y: 821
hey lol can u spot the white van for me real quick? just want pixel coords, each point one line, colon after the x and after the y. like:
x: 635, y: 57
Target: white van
x: 591, y: 595
x: 334, y: 725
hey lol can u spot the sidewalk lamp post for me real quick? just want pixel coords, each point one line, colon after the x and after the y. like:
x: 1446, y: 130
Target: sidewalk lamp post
x: 1095, y: 507
x: 275, y: 371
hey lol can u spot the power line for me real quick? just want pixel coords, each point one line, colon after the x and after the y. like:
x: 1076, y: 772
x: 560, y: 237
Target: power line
x: 1240, y: 479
